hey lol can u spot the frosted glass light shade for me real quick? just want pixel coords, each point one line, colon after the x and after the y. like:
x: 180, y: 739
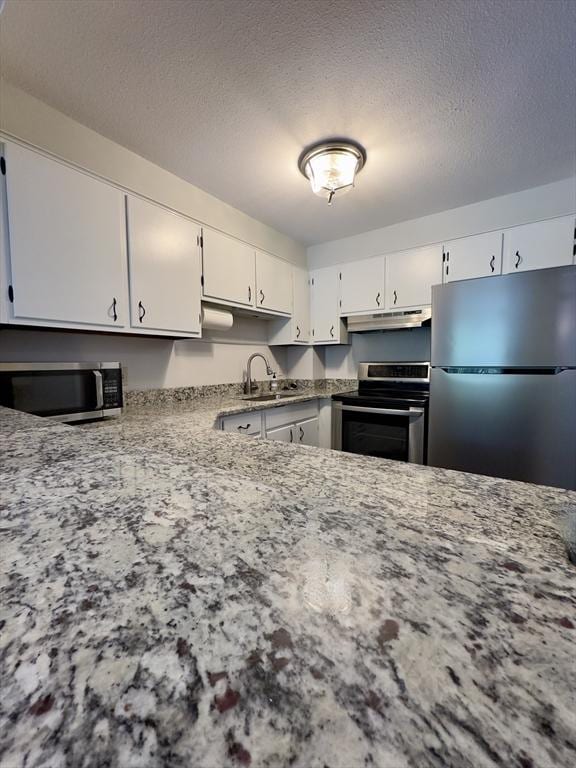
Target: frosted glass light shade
x: 331, y: 167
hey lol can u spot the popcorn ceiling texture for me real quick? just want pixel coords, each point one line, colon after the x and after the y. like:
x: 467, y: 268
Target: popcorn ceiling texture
x: 455, y: 101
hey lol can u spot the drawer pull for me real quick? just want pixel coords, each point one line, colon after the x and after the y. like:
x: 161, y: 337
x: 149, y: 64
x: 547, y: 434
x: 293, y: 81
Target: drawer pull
x: 246, y: 427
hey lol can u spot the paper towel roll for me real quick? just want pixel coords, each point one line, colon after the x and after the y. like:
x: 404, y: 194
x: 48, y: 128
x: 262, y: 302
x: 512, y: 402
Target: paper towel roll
x: 216, y: 319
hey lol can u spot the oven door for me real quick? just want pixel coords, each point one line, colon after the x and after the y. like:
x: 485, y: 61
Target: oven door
x: 63, y: 392
x: 389, y: 433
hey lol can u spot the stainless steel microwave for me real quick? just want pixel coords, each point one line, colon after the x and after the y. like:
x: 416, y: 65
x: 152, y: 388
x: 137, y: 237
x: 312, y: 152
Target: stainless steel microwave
x: 66, y: 392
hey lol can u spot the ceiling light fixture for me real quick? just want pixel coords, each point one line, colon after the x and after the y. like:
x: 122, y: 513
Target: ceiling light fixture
x: 331, y: 166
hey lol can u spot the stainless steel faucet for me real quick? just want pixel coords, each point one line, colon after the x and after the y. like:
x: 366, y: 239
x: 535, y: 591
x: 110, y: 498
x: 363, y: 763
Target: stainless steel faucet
x: 249, y: 385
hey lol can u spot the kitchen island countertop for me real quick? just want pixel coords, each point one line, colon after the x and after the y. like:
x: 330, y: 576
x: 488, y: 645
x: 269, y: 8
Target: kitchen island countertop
x: 173, y: 595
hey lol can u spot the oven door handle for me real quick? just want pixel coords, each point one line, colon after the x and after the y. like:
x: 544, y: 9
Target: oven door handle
x: 384, y: 411
x: 99, y: 390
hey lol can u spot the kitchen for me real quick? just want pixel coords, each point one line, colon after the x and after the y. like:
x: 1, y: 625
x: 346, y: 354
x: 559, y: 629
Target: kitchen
x: 287, y: 474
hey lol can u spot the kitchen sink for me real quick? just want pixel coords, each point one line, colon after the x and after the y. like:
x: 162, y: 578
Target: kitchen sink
x: 270, y: 397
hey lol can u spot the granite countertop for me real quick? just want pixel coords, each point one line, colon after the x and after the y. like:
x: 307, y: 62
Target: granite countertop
x: 173, y: 595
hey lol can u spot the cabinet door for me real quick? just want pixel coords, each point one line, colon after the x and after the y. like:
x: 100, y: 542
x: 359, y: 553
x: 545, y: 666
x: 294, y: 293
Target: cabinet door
x: 324, y: 297
x: 307, y: 432
x: 67, y: 243
x: 468, y: 257
x: 301, y: 306
x: 229, y: 269
x: 164, y: 257
x: 273, y: 284
x: 362, y: 286
x: 283, y: 434
x: 410, y: 276
x: 540, y: 245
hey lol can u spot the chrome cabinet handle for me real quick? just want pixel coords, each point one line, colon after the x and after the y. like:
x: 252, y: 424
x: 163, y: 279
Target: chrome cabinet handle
x: 297, y: 331
x: 99, y: 390
x: 301, y: 434
x: 378, y: 299
x: 261, y: 296
x: 246, y: 427
x: 114, y: 313
x: 332, y: 331
x: 249, y: 293
x: 141, y: 311
x: 492, y: 260
x: 395, y: 297
x: 518, y: 260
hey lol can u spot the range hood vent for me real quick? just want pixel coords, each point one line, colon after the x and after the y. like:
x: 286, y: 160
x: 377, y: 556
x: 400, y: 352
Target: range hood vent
x: 390, y: 321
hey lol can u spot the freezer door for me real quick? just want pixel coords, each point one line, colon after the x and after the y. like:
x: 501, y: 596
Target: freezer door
x: 526, y: 320
x: 516, y: 426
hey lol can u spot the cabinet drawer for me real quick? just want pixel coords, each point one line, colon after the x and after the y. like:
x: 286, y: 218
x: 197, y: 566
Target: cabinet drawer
x: 288, y: 414
x: 243, y: 423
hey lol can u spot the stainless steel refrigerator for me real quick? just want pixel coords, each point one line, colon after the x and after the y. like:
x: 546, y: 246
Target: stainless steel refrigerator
x: 503, y: 382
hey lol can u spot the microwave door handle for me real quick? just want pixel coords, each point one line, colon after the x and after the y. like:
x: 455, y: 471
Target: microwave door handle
x: 383, y: 411
x: 99, y: 390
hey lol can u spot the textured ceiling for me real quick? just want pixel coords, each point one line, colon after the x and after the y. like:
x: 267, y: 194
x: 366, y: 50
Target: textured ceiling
x: 455, y: 100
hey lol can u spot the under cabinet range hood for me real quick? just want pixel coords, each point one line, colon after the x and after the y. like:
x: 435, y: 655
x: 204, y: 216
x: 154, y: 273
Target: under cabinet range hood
x: 389, y: 321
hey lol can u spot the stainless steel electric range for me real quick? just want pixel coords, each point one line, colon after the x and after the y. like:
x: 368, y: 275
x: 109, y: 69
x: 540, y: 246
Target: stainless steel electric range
x: 388, y: 415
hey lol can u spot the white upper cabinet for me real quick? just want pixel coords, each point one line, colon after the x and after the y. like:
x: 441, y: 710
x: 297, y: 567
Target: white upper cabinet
x: 468, y: 257
x: 295, y: 330
x: 229, y: 270
x: 164, y: 258
x: 67, y: 244
x: 301, y: 306
x: 410, y: 276
x: 540, y: 245
x: 327, y: 327
x: 362, y: 286
x: 273, y: 284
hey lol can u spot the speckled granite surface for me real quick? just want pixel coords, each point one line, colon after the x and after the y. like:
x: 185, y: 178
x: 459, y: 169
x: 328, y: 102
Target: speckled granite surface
x: 176, y: 596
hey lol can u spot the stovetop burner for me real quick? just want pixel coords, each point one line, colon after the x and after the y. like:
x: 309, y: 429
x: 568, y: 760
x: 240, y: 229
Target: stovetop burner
x: 384, y: 385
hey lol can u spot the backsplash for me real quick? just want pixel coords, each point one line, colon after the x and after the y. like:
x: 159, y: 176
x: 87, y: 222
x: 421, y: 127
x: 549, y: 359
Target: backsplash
x: 184, y: 394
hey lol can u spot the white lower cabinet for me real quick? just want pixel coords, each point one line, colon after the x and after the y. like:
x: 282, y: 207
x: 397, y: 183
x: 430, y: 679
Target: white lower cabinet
x: 298, y: 423
x: 539, y: 245
x: 410, y: 276
x: 307, y: 432
x: 283, y: 434
x: 164, y: 258
x: 469, y: 257
x: 67, y: 244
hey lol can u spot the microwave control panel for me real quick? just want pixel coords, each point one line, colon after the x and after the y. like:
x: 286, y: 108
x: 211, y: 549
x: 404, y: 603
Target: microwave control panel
x: 112, y: 385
